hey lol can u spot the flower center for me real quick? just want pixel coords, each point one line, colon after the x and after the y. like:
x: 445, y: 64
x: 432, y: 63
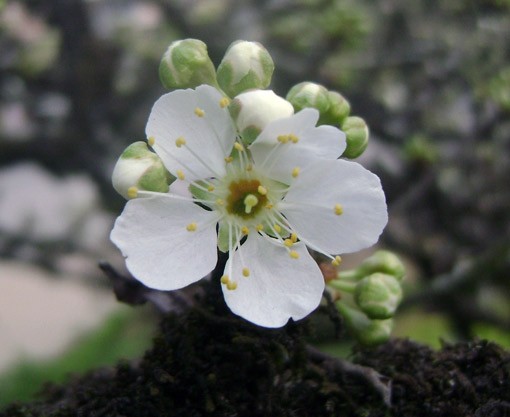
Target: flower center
x: 245, y: 199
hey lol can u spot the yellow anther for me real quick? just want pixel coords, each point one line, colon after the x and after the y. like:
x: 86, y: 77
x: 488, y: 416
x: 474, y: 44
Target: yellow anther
x: 283, y: 138
x: 293, y: 138
x: 180, y: 141
x: 246, y: 272
x: 262, y: 190
x: 259, y: 227
x: 224, y: 279
x: 277, y: 228
x: 269, y: 206
x: 210, y: 188
x: 231, y: 285
x: 250, y: 201
x: 191, y: 227
x: 295, y: 172
x: 199, y: 112
x: 180, y: 174
x: 293, y: 254
x: 288, y: 242
x: 220, y: 202
x: 239, y: 147
x: 293, y: 237
x: 132, y: 192
x: 249, y: 167
x: 228, y: 159
x: 338, y: 209
x: 336, y: 261
x: 224, y: 102
x: 245, y: 230
x: 151, y: 141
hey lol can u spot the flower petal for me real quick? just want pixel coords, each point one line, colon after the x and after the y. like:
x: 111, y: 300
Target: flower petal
x: 160, y: 251
x: 278, y: 287
x: 197, y: 117
x: 309, y: 206
x: 278, y: 160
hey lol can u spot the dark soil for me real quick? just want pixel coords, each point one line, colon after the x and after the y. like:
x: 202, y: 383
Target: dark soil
x: 202, y: 364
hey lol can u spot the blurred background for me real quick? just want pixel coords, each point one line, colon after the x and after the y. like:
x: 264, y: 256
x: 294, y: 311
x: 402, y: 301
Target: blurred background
x: 78, y: 79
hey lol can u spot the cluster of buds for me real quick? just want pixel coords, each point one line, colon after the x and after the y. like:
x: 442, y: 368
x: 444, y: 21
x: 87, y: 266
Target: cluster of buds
x: 368, y: 296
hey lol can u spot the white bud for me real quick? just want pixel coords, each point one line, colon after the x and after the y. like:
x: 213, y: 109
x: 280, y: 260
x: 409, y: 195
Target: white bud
x: 253, y: 110
x: 246, y: 65
x: 139, y: 167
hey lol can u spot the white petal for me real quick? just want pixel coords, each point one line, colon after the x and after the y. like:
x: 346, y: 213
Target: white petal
x: 210, y: 137
x: 278, y: 287
x: 315, y: 143
x: 160, y: 252
x: 309, y: 206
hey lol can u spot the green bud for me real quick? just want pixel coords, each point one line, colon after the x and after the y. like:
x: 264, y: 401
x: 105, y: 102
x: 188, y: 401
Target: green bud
x: 139, y: 167
x: 186, y: 64
x: 307, y: 94
x: 246, y: 65
x: 382, y: 261
x: 253, y: 110
x: 338, y: 110
x: 366, y: 331
x: 378, y: 296
x: 356, y: 131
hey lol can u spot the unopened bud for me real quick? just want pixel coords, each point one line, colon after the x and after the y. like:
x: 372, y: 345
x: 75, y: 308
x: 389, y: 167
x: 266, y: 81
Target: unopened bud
x: 338, y: 110
x: 307, y: 94
x: 356, y: 131
x: 246, y: 65
x: 382, y: 261
x: 139, y: 167
x: 186, y: 64
x: 367, y: 331
x: 253, y: 110
x: 378, y: 296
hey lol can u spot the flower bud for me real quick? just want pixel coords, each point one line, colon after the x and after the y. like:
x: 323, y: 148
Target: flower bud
x: 141, y: 168
x: 382, y: 261
x: 246, y: 65
x: 186, y: 64
x: 366, y: 331
x: 378, y: 296
x: 356, y: 131
x: 307, y: 94
x: 338, y: 110
x: 253, y: 110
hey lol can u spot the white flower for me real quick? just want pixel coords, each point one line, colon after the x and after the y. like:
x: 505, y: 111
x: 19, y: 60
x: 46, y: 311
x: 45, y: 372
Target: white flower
x: 270, y: 200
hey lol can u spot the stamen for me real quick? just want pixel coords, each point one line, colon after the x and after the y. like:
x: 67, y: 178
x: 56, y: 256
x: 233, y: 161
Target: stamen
x: 228, y: 159
x: 250, y: 201
x: 338, y: 209
x: 336, y: 261
x: 269, y: 206
x: 220, y: 202
x: 295, y: 172
x: 151, y: 141
x: 225, y: 279
x: 246, y: 272
x: 210, y: 188
x: 293, y: 237
x: 283, y: 138
x: 199, y: 112
x: 245, y: 230
x: 293, y: 138
x: 180, y: 174
x: 231, y: 285
x: 239, y: 147
x: 259, y: 227
x: 262, y: 190
x: 293, y: 254
x: 277, y: 228
x: 288, y: 242
x: 249, y: 167
x: 180, y: 141
x: 132, y: 192
x: 224, y: 102
x: 191, y: 227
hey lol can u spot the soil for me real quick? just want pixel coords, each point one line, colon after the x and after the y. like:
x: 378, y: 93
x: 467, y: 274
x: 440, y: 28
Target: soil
x: 205, y: 364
